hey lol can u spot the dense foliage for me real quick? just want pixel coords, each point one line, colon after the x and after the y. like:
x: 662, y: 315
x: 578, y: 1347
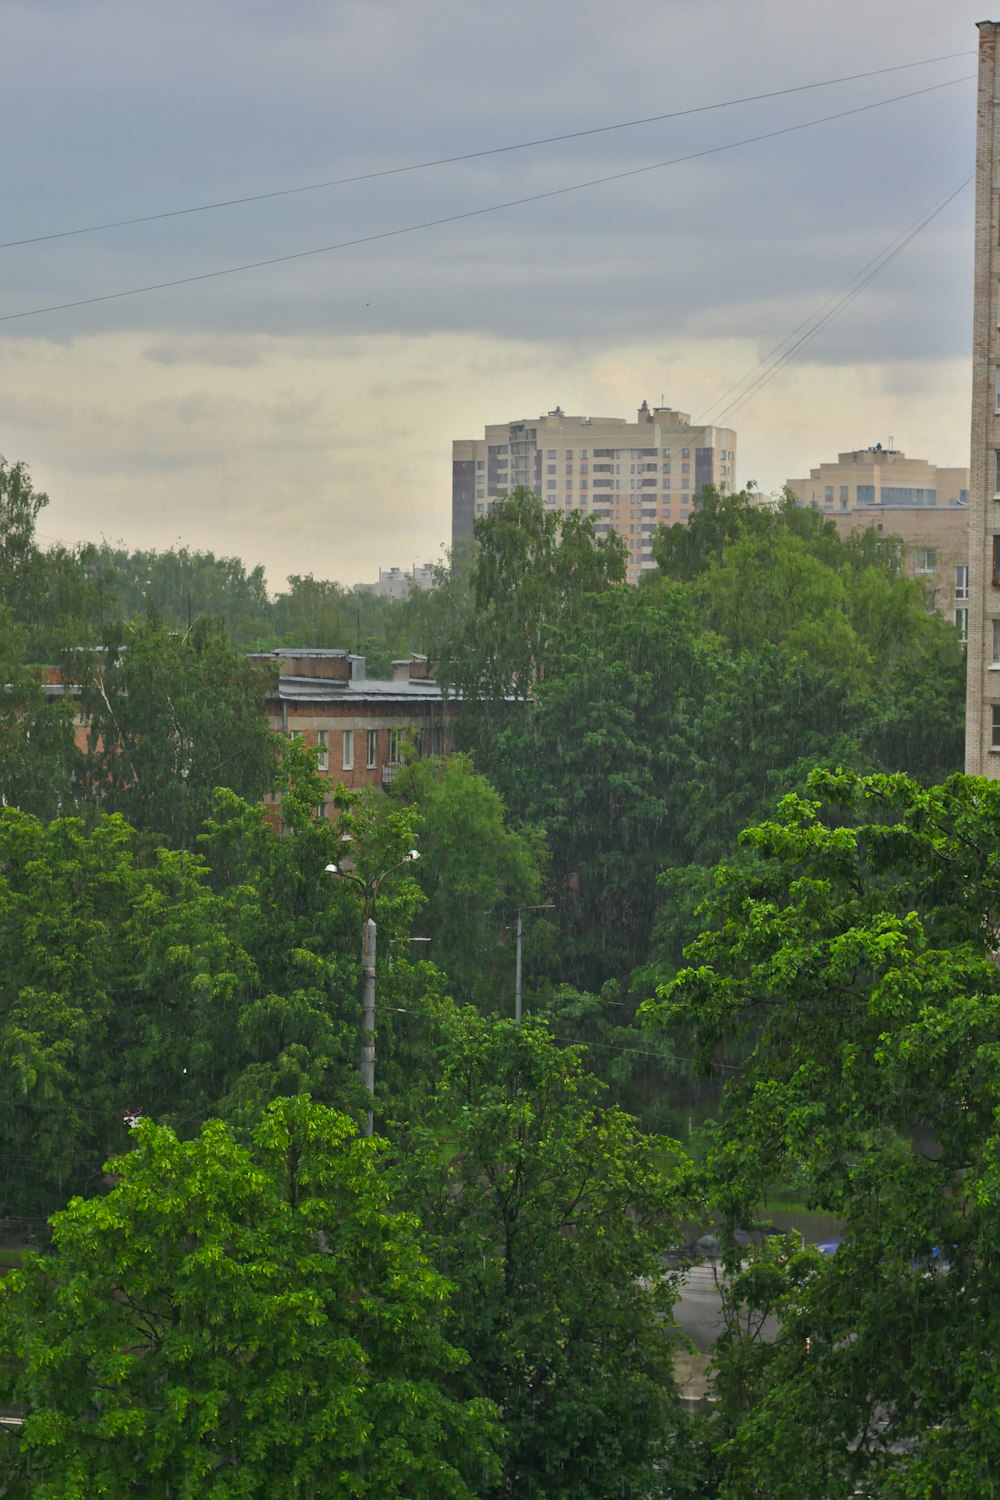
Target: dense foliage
x: 548, y: 1213
x: 661, y: 720
x: 238, y: 1319
x: 170, y: 953
x: 848, y: 966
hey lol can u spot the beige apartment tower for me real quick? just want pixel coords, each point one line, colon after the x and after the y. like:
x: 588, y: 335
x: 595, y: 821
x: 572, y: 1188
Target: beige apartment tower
x: 925, y: 505
x: 630, y: 476
x: 982, y: 721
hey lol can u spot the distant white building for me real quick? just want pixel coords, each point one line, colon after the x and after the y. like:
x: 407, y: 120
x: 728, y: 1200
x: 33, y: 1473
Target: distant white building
x: 394, y: 583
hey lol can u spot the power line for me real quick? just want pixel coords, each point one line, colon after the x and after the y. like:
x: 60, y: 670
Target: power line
x: 444, y: 161
x: 474, y: 213
x: 817, y: 321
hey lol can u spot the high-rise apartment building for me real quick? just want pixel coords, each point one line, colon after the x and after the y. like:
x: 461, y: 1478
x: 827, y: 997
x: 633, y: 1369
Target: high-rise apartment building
x: 982, y: 717
x: 630, y: 476
x: 924, y: 504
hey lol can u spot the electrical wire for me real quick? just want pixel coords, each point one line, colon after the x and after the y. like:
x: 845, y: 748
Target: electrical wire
x: 474, y: 213
x: 819, y: 320
x: 445, y: 161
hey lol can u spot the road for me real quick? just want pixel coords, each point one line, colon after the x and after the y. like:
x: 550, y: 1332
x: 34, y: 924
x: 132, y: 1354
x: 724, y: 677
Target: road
x: 698, y: 1309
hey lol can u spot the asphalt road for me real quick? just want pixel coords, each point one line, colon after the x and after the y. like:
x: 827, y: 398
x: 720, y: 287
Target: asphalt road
x: 698, y: 1309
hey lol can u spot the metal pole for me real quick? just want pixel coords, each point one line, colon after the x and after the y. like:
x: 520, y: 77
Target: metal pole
x: 517, y: 971
x: 366, y: 1057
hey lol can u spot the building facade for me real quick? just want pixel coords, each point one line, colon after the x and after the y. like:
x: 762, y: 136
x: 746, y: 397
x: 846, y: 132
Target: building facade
x: 925, y: 505
x: 362, y: 728
x: 394, y: 583
x: 982, y: 716
x: 630, y: 476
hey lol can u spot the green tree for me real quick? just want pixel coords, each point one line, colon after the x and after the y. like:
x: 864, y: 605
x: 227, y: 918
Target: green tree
x: 20, y: 504
x: 321, y: 613
x: 238, y: 1319
x: 531, y: 574
x: 547, y: 1213
x: 179, y: 585
x: 474, y: 871
x: 39, y: 762
x: 600, y: 762
x: 848, y: 969
x: 169, y: 719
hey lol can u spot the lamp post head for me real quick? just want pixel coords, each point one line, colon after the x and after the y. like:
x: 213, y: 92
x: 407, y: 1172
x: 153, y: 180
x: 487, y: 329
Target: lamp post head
x: 413, y: 854
x: 332, y: 870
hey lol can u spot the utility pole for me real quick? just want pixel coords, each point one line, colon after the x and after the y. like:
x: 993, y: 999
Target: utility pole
x: 366, y: 1048
x: 548, y: 906
x: 366, y: 1062
x: 517, y: 970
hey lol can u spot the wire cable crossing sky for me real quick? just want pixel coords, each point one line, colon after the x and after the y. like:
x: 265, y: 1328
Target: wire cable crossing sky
x: 474, y: 213
x: 444, y: 161
x: 400, y: 223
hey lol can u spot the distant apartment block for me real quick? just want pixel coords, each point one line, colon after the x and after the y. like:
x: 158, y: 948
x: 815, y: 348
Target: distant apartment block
x: 630, y: 476
x: 394, y: 583
x: 925, y: 505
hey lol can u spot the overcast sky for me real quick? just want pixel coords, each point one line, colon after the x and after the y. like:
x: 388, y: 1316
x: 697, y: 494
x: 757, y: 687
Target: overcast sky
x: 301, y: 414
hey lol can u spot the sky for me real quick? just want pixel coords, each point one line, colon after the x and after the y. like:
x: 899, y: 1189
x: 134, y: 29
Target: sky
x: 301, y: 414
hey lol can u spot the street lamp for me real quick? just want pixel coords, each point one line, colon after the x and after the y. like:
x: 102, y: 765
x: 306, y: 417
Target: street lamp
x: 517, y: 966
x: 366, y: 1051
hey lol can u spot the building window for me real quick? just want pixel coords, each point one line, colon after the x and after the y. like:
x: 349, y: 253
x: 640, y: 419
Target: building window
x: 995, y: 644
x: 348, y: 757
x: 371, y: 760
x: 828, y: 495
x: 480, y: 463
x: 995, y: 727
x: 866, y: 494
x: 962, y: 621
x: 926, y: 559
x: 395, y: 744
x: 996, y: 562
x: 685, y: 453
x: 844, y: 496
x: 962, y: 581
x: 322, y: 750
x: 551, y: 453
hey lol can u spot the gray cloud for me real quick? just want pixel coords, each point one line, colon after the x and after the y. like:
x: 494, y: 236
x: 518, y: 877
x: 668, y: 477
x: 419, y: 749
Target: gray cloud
x: 124, y: 107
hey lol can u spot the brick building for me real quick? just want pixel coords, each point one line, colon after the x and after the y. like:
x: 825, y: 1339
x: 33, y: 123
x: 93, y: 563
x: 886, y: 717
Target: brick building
x: 360, y: 726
